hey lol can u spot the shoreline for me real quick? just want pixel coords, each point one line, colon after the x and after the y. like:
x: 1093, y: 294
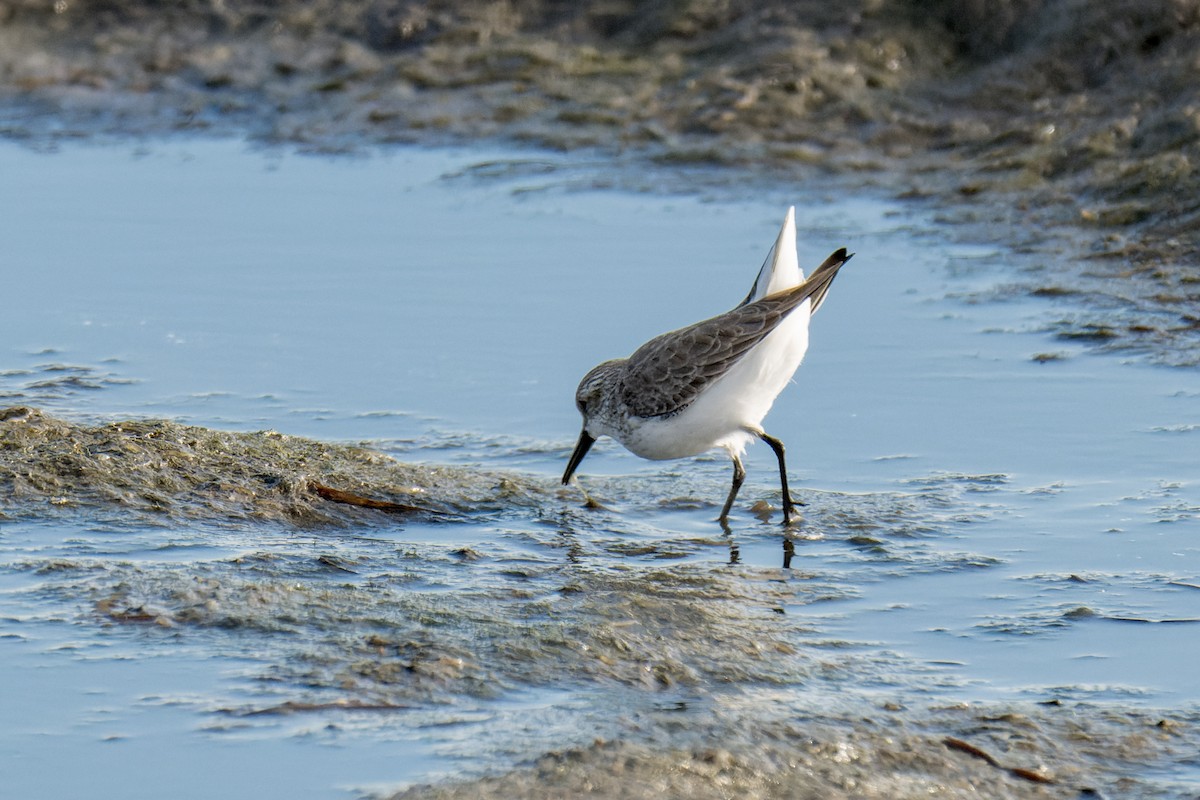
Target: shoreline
x: 1069, y: 132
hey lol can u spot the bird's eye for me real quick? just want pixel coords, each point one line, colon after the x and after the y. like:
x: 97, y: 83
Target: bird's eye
x: 581, y: 405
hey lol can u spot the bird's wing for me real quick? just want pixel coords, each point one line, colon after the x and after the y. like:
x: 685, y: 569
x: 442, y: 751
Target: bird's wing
x: 760, y: 281
x: 781, y: 269
x: 666, y: 374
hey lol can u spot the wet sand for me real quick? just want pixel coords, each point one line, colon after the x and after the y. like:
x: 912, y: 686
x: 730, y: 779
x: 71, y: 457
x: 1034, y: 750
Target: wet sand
x: 763, y: 717
x: 153, y: 471
x: 888, y: 753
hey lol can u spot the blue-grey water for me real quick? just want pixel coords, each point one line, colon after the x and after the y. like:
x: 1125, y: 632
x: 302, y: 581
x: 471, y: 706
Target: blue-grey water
x: 441, y: 305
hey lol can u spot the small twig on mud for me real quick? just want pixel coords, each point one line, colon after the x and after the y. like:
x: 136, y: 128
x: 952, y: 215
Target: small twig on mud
x: 970, y: 749
x: 338, y: 496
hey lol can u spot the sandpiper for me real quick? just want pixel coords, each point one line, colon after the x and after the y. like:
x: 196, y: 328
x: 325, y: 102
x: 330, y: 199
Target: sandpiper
x: 712, y: 383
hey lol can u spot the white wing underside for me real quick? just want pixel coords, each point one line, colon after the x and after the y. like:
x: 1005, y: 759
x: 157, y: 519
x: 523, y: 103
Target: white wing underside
x: 781, y: 269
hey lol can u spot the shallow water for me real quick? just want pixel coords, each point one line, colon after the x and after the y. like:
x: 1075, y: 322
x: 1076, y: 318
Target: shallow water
x: 985, y: 522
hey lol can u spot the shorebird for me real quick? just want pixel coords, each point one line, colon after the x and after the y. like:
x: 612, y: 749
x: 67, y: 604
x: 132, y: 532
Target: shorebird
x: 712, y: 383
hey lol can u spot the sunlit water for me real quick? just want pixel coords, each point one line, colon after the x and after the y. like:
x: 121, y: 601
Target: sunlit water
x: 441, y: 306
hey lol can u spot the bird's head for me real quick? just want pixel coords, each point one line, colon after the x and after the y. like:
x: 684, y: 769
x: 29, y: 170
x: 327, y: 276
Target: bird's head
x: 591, y: 398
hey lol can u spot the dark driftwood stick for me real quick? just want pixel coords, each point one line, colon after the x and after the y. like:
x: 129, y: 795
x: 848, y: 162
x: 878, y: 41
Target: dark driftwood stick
x: 338, y: 496
x: 1019, y: 772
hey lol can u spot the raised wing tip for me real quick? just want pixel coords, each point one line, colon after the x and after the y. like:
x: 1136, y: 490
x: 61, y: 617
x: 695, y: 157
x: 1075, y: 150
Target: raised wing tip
x: 839, y: 256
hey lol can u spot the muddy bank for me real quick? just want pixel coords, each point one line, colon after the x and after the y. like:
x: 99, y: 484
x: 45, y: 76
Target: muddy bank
x: 155, y: 471
x: 660, y: 664
x: 889, y: 753
x: 1068, y: 129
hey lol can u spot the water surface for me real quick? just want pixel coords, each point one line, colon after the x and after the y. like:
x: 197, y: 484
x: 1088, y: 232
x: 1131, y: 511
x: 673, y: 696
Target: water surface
x: 994, y: 514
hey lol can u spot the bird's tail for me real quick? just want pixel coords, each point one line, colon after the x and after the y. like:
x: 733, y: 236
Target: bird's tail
x: 817, y: 284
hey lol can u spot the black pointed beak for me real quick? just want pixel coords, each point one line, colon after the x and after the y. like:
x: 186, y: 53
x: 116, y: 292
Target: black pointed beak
x: 581, y: 448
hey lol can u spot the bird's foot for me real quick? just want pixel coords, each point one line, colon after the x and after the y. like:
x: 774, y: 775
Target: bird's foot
x: 790, y: 516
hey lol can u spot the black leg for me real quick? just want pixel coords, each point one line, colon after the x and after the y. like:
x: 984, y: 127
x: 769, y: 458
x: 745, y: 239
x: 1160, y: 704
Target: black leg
x: 788, y: 503
x: 739, y: 475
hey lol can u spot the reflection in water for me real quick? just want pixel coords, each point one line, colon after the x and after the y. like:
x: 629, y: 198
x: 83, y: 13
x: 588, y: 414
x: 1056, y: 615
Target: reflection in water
x: 789, y: 550
x: 735, y: 552
x: 570, y: 541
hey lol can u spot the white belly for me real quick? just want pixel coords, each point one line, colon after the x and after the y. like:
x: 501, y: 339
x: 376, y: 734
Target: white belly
x: 728, y: 410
